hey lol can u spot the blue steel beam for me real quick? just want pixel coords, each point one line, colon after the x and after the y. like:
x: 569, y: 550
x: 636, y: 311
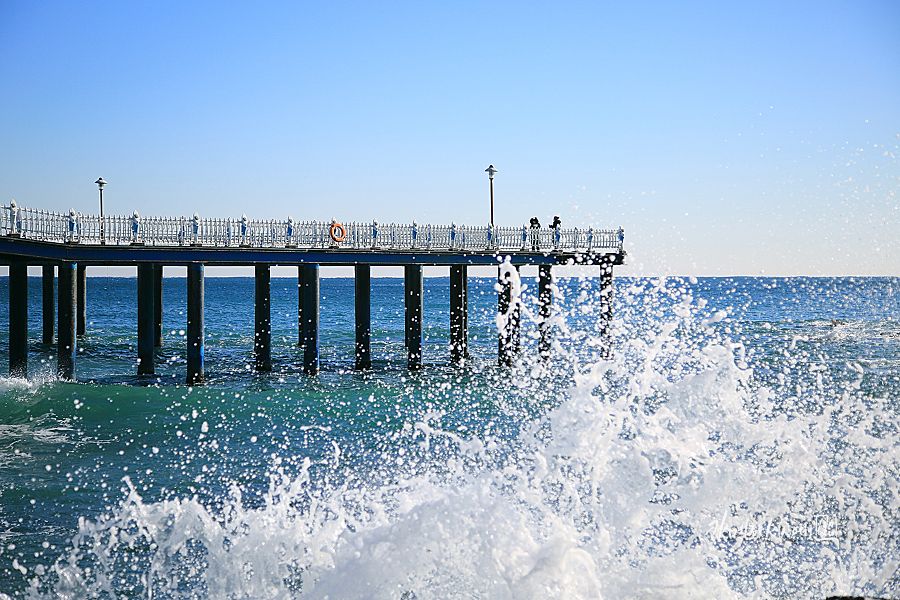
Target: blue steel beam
x: 37, y: 252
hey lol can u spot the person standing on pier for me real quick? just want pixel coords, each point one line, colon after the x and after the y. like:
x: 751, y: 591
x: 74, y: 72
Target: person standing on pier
x: 535, y: 234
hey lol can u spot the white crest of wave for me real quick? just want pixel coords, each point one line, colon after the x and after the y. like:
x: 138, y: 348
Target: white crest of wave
x: 669, y: 471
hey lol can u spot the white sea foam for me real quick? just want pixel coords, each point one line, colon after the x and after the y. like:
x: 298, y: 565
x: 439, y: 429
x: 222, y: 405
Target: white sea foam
x: 669, y: 471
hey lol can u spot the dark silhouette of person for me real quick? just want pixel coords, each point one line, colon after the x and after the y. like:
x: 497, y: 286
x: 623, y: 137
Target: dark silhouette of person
x: 535, y: 234
x: 556, y: 222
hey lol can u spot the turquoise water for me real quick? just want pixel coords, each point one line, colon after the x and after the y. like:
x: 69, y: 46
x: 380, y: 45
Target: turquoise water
x: 742, y: 442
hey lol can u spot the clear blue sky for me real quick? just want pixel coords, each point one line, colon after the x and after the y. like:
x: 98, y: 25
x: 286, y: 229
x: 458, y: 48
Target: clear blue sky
x: 725, y: 137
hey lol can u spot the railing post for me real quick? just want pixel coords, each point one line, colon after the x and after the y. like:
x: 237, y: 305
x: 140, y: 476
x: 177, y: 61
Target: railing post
x: 135, y: 227
x: 15, y: 219
x: 289, y: 242
x: 195, y: 228
x: 73, y: 222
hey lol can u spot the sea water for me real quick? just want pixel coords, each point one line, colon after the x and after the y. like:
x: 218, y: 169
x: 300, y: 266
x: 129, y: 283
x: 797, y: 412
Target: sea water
x: 741, y: 442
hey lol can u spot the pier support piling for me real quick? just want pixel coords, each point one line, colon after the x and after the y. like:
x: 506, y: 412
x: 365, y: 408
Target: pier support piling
x: 48, y: 279
x: 414, y: 288
x: 157, y: 305
x: 508, y: 336
x: 263, y: 337
x: 145, y: 318
x: 308, y: 309
x: 67, y: 308
x: 82, y: 299
x: 459, y: 313
x: 606, y: 307
x: 363, y: 297
x: 18, y: 319
x: 195, y: 325
x: 545, y: 302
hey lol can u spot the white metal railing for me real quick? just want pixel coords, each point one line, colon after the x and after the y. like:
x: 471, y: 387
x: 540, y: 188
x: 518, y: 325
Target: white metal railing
x: 231, y: 233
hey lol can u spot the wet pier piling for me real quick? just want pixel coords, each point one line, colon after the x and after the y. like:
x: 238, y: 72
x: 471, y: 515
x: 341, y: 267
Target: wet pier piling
x: 308, y: 300
x: 67, y: 307
x: 195, y: 325
x: 362, y: 291
x: 146, y: 299
x: 18, y: 319
x: 67, y: 299
x: 48, y: 293
x: 459, y: 313
x: 413, y: 284
x: 263, y: 334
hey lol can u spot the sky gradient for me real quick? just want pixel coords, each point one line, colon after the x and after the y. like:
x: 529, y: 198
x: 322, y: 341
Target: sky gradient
x: 726, y: 138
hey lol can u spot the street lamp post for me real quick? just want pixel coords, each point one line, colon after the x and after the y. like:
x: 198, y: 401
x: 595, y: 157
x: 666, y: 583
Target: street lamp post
x: 490, y: 171
x: 101, y: 183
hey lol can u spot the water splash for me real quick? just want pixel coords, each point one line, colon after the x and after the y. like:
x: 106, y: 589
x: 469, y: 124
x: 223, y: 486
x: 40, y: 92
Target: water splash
x: 696, y: 463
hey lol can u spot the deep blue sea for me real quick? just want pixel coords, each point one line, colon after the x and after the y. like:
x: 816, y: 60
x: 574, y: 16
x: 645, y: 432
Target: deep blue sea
x: 742, y: 442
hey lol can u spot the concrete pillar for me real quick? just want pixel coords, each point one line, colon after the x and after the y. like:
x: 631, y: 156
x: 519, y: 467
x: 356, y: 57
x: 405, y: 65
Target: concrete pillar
x: 157, y: 305
x: 18, y: 319
x: 195, y: 325
x: 82, y: 299
x: 508, y: 336
x: 517, y: 319
x: 145, y: 313
x: 459, y: 313
x: 545, y: 302
x: 67, y: 318
x: 363, y: 294
x: 606, y: 307
x: 263, y: 337
x: 49, y: 297
x: 308, y: 278
x: 414, y: 288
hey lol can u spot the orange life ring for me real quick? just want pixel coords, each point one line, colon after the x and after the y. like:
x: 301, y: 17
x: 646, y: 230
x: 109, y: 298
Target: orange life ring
x: 335, y: 228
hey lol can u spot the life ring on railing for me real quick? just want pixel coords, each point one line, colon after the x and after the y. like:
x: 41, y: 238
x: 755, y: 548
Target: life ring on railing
x: 337, y: 232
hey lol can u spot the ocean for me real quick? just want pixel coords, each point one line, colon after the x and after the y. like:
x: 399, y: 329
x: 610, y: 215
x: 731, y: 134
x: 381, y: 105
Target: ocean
x: 742, y: 442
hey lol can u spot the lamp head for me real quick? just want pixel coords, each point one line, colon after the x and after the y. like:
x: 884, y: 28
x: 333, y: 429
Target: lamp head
x: 490, y: 171
x: 100, y: 182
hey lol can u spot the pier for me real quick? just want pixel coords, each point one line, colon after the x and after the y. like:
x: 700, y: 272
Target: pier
x: 65, y: 244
